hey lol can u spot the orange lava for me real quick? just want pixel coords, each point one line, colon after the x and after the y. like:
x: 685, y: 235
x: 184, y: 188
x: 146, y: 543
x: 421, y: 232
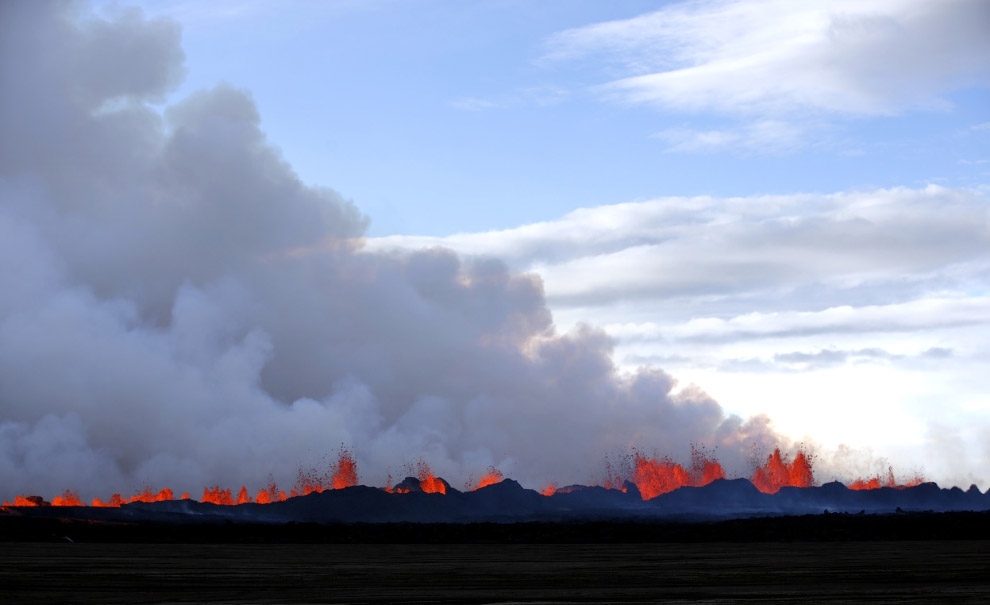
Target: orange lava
x: 115, y: 501
x: 270, y: 494
x: 429, y: 483
x: 778, y: 472
x: 343, y: 473
x: 614, y: 479
x: 218, y: 495
x: 888, y: 481
x: 705, y: 468
x: 163, y: 495
x: 27, y: 501
x: 307, y: 482
x: 655, y: 476
x: 652, y: 476
x: 145, y: 495
x: 68, y: 498
x: 492, y: 477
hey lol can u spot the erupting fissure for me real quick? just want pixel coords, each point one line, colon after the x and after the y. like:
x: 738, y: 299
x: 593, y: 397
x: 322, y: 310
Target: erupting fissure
x: 887, y: 481
x: 652, y: 476
x: 778, y: 472
x: 428, y: 482
x: 491, y: 477
x: 343, y: 473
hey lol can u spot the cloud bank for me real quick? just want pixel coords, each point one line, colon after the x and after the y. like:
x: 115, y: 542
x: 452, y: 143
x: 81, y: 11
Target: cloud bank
x: 877, y: 299
x: 849, y: 56
x: 778, y: 72
x: 177, y: 308
x: 902, y: 239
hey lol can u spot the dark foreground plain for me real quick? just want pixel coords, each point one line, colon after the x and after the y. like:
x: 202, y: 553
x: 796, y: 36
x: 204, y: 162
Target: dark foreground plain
x: 47, y: 557
x: 713, y: 572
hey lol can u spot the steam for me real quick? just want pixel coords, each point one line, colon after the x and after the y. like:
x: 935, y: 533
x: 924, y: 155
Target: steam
x: 177, y: 308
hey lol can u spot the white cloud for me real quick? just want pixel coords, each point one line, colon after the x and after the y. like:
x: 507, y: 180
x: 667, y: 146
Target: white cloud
x: 816, y: 308
x: 692, y: 283
x: 759, y: 136
x: 916, y: 315
x: 889, y: 240
x: 774, y: 57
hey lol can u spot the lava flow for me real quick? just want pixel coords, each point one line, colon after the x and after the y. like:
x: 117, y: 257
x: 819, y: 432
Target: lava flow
x: 651, y: 475
x: 655, y: 476
x: 491, y: 477
x: 428, y: 482
x: 146, y: 495
x: 270, y: 494
x: 888, y: 481
x: 342, y: 474
x: 778, y: 472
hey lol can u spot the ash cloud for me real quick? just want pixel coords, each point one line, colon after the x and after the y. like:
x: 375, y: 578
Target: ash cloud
x: 177, y: 308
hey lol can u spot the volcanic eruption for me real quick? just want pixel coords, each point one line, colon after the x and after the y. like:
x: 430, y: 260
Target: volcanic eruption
x: 648, y: 477
x: 178, y: 309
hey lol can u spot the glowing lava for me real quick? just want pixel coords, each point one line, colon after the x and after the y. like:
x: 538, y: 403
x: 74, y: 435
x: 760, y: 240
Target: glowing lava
x: 491, y: 477
x: 651, y: 475
x: 888, y: 481
x: 429, y: 483
x: 270, y: 494
x: 218, y: 495
x: 778, y: 472
x: 68, y: 498
x: 654, y: 476
x: 343, y: 473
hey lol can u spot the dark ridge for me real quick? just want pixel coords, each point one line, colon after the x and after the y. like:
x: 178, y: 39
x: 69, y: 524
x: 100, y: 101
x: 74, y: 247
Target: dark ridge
x: 509, y: 502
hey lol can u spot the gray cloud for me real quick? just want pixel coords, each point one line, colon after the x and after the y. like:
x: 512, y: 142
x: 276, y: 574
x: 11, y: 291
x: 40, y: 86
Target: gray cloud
x: 177, y: 308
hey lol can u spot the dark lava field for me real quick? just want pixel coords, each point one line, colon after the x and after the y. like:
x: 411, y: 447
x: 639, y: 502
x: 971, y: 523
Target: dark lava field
x: 706, y: 572
x: 839, y: 558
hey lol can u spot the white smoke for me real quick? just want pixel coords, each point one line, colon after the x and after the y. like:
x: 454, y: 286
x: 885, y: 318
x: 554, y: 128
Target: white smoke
x: 178, y: 309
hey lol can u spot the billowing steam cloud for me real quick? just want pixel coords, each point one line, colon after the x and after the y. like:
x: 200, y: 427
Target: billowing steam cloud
x: 177, y: 308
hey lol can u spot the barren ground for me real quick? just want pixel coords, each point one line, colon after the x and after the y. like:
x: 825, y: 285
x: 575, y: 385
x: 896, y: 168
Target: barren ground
x: 881, y: 572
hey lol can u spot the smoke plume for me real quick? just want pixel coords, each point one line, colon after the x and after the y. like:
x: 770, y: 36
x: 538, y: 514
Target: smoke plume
x: 177, y: 308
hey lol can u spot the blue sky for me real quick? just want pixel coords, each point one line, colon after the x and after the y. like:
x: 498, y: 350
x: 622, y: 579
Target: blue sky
x: 783, y: 205
x: 441, y: 117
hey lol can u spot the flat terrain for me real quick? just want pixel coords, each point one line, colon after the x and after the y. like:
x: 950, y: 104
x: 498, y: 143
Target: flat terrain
x: 769, y: 572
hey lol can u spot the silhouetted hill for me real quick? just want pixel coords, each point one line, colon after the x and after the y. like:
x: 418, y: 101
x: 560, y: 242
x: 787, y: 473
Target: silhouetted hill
x: 509, y: 502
